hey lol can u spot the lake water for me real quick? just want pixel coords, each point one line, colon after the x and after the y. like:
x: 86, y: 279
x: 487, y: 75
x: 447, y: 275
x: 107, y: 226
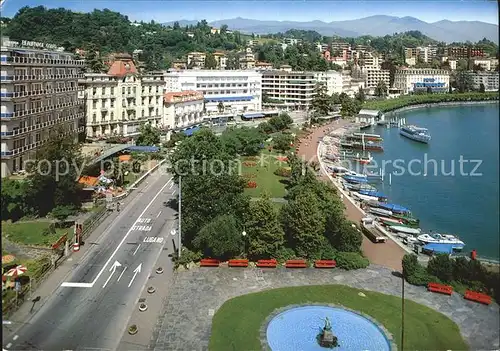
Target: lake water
x: 448, y: 195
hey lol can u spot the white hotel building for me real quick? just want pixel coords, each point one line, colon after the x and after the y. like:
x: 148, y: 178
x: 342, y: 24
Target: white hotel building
x: 39, y: 95
x: 237, y: 90
x: 119, y: 101
x: 488, y: 79
x: 182, y: 109
x: 295, y: 90
x: 411, y: 80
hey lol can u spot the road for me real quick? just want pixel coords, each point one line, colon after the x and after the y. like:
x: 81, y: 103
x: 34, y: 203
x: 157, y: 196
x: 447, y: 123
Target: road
x: 91, y: 309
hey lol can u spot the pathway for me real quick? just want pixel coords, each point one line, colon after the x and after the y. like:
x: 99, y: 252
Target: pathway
x: 388, y: 254
x: 199, y: 293
x: 273, y: 199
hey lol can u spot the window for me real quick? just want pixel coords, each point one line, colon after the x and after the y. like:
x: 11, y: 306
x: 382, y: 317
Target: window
x: 112, y: 115
x: 103, y: 91
x: 123, y: 91
x: 112, y: 90
x: 94, y: 118
x: 94, y: 91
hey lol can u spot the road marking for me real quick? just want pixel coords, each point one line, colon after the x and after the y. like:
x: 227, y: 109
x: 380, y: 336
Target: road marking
x: 130, y: 230
x: 112, y: 270
x: 8, y: 345
x: 136, y: 250
x: 77, y: 285
x: 171, y: 185
x: 15, y: 337
x: 153, y: 239
x: 158, y: 215
x: 142, y: 228
x: 124, y: 269
x: 173, y: 192
x: 137, y: 270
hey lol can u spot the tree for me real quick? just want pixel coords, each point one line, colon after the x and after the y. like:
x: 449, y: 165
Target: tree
x: 381, y: 89
x: 360, y: 96
x: 321, y: 102
x: 462, y: 81
x: 482, y: 88
x: 221, y: 237
x: 264, y: 231
x: 149, y: 135
x: 304, y: 225
x: 220, y: 107
x: 210, y: 61
x: 350, y: 107
x: 429, y: 90
x: 441, y: 266
x: 243, y: 141
x: 93, y: 61
x: 16, y: 199
x: 54, y: 174
x: 282, y: 142
x: 410, y: 265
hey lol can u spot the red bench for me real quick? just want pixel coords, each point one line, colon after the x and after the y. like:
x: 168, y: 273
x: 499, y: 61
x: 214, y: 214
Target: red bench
x: 296, y: 264
x: 209, y: 262
x: 272, y: 263
x: 477, y: 296
x: 325, y: 264
x: 238, y: 263
x: 440, y: 288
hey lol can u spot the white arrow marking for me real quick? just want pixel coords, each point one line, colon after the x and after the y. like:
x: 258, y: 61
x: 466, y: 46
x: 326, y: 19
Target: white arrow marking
x: 136, y: 250
x: 124, y: 269
x: 112, y: 270
x: 137, y: 270
x: 171, y: 185
x: 173, y: 192
x: 159, y: 213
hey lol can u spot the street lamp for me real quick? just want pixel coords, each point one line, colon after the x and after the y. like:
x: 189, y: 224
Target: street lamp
x: 244, y: 233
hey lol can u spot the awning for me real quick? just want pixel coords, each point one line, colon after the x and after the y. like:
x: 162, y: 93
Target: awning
x: 143, y: 148
x: 191, y: 131
x: 253, y: 115
x: 21, y: 52
x: 228, y: 98
x: 439, y: 248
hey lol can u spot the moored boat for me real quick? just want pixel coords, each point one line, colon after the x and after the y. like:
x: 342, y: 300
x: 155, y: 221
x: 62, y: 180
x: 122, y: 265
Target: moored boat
x: 371, y: 146
x: 437, y: 238
x: 415, y: 133
x: 356, y: 180
x: 379, y: 211
x: 364, y: 197
x: 373, y: 193
x: 359, y: 186
x: 406, y: 230
x: 394, y: 208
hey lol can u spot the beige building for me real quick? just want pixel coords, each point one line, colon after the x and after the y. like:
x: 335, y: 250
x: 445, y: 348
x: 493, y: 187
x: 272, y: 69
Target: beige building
x: 489, y: 79
x: 411, y: 80
x: 247, y: 59
x: 196, y: 60
x: 484, y: 64
x: 221, y: 60
x: 183, y: 109
x: 290, y: 90
x: 119, y: 101
x: 39, y: 94
x: 375, y: 75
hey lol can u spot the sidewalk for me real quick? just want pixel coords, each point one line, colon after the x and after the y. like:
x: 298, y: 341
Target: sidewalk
x: 46, y: 289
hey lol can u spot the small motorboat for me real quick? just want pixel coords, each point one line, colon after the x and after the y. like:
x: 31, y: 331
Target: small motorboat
x: 406, y: 230
x: 441, y: 239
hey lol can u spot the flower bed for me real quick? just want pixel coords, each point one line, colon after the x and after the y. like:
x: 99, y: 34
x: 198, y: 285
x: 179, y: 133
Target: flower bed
x: 283, y: 172
x: 251, y: 185
x: 282, y: 158
x: 249, y: 164
x: 251, y: 158
x: 249, y: 175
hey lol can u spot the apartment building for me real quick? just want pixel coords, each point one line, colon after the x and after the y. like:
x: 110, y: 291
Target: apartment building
x: 39, y: 95
x: 119, y: 101
x: 292, y: 41
x: 196, y: 60
x: 237, y: 90
x: 263, y: 66
x: 293, y: 90
x: 182, y: 109
x: 484, y: 64
x: 322, y: 47
x: 410, y: 80
x: 423, y: 53
x: 373, y: 76
x: 221, y: 60
x: 489, y: 79
x: 465, y: 52
x: 331, y: 79
x: 247, y: 59
x: 351, y: 85
x: 338, y: 46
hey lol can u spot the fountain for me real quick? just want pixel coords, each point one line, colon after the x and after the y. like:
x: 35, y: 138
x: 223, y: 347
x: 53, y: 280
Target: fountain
x: 326, y: 337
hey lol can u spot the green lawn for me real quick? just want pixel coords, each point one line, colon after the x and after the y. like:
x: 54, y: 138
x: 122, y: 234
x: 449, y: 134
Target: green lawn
x: 263, y: 170
x: 236, y: 324
x: 30, y: 233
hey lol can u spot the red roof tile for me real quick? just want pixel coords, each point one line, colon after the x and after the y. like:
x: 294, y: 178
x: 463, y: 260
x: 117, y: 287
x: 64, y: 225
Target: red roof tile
x: 122, y: 66
x: 189, y: 95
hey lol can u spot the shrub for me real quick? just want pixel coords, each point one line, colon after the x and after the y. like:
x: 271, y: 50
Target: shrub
x: 186, y: 258
x: 420, y: 277
x: 351, y: 260
x: 251, y: 158
x: 285, y: 253
x: 283, y: 172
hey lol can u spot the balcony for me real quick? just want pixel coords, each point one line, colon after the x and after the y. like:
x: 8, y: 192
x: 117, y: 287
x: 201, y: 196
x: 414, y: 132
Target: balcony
x: 46, y: 108
x: 21, y: 131
x: 26, y: 78
x: 22, y: 94
x: 29, y: 61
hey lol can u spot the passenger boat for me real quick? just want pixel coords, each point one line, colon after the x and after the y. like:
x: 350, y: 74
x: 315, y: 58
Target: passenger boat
x: 415, y: 133
x: 406, y: 230
x: 437, y: 238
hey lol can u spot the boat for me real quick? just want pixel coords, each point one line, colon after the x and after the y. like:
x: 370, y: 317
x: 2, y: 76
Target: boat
x: 356, y: 180
x: 365, y: 136
x: 406, y: 230
x: 373, y: 193
x: 394, y: 208
x: 389, y: 221
x: 364, y: 160
x: 365, y: 197
x: 357, y: 187
x: 410, y: 240
x: 379, y: 211
x: 364, y: 125
x: 369, y: 228
x: 437, y: 238
x: 407, y: 219
x: 415, y: 133
x: 371, y: 146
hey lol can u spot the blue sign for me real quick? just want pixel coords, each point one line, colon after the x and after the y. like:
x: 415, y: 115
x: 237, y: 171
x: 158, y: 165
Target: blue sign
x: 429, y: 80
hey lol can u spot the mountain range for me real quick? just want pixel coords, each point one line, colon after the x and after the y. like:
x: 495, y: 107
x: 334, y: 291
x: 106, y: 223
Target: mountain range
x: 379, y: 25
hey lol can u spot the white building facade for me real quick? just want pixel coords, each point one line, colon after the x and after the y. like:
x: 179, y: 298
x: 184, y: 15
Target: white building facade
x: 118, y: 102
x: 182, y: 109
x: 489, y: 79
x: 373, y: 76
x: 39, y: 96
x: 411, y: 80
x: 331, y: 79
x: 289, y: 90
x: 234, y: 90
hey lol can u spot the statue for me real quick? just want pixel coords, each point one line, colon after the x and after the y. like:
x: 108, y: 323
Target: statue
x: 325, y: 337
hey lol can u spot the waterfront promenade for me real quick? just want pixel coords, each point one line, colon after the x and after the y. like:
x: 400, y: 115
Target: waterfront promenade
x: 388, y: 254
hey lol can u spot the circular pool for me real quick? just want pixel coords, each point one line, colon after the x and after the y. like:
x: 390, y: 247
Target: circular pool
x: 296, y: 329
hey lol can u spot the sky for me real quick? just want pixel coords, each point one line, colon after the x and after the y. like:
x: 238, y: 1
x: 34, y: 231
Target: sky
x: 291, y: 10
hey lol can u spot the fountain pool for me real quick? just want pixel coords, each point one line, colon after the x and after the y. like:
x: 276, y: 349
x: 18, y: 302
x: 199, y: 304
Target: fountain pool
x: 296, y: 329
